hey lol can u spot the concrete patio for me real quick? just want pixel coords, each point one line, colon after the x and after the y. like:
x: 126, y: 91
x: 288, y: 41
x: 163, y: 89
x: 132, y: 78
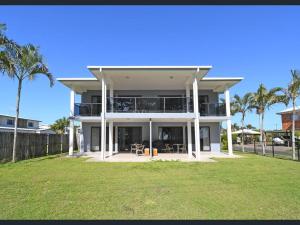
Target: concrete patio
x: 131, y: 157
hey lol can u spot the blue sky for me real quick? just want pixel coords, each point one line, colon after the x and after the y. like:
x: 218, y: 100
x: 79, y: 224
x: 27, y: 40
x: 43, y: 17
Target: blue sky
x: 261, y: 43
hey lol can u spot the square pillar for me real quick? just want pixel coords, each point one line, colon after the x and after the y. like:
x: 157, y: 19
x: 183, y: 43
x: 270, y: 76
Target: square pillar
x: 189, y: 133
x: 150, y: 138
x: 184, y: 135
x: 116, y: 139
x: 110, y: 145
x: 71, y: 125
x: 188, y: 96
x: 81, y: 140
x: 111, y: 98
x: 103, y: 122
x: 228, y: 122
x: 196, y: 120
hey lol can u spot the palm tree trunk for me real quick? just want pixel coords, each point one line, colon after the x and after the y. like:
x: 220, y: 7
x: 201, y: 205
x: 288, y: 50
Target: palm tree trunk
x: 16, y: 120
x: 293, y: 131
x: 243, y: 149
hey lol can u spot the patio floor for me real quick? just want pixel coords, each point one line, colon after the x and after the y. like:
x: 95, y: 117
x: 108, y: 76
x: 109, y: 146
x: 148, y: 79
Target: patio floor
x: 131, y: 157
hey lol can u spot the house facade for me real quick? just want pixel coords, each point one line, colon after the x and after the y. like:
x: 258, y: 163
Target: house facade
x: 287, y: 119
x: 150, y: 105
x: 25, y: 125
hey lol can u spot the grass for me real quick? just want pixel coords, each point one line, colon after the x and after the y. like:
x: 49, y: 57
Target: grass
x: 252, y: 187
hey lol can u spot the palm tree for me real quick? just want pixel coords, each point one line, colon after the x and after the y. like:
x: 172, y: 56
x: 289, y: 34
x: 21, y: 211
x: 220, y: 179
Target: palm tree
x: 8, y: 48
x: 262, y: 100
x: 292, y: 92
x: 26, y: 65
x: 60, y: 125
x: 242, y: 105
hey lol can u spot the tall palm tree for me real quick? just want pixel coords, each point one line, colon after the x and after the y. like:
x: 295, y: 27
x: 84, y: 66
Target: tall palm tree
x: 242, y: 105
x: 26, y: 65
x: 262, y: 100
x: 292, y: 92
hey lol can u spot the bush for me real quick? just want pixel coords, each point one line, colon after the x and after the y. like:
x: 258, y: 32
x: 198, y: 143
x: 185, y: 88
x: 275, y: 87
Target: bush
x: 224, y: 142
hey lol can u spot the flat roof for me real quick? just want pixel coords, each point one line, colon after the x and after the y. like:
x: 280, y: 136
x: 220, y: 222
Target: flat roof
x: 149, y: 78
x: 19, y: 117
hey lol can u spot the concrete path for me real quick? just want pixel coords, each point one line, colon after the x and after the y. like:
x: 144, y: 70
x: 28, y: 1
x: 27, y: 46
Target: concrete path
x: 131, y: 157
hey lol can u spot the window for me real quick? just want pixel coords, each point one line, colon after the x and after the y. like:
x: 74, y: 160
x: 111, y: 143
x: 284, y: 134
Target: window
x: 30, y: 124
x: 10, y: 122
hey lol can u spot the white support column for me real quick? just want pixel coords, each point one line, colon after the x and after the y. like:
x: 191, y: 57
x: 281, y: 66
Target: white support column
x: 111, y: 98
x: 81, y: 140
x: 111, y: 132
x: 188, y: 95
x: 189, y: 132
x: 103, y: 123
x: 105, y: 110
x: 150, y: 139
x: 71, y: 126
x: 184, y: 135
x: 229, y: 136
x: 116, y: 139
x: 196, y: 120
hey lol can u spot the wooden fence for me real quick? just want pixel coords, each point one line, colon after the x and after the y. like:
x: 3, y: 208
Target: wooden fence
x: 30, y: 145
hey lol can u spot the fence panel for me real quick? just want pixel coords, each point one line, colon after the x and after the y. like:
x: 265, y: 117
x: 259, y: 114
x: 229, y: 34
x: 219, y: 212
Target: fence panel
x: 31, y: 145
x: 272, y: 149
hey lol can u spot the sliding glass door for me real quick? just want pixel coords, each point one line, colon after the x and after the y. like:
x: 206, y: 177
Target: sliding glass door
x: 128, y: 136
x: 204, y: 138
x: 96, y: 138
x: 171, y: 135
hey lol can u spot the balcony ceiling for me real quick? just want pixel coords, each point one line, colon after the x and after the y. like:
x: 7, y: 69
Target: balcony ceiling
x: 149, y: 77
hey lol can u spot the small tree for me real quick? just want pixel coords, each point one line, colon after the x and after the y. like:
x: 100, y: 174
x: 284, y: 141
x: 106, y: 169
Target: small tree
x: 59, y: 125
x: 242, y: 105
x: 262, y: 100
x: 292, y: 92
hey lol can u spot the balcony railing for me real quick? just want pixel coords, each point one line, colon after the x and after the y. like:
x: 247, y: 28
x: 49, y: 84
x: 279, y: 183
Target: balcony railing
x: 87, y: 109
x: 212, y: 109
x: 149, y: 105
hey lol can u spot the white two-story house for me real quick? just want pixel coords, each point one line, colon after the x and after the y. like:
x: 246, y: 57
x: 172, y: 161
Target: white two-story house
x: 150, y: 105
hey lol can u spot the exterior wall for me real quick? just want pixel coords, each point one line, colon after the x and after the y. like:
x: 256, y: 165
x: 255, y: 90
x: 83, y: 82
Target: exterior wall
x: 23, y: 123
x: 214, y: 131
x: 286, y: 120
x: 87, y: 96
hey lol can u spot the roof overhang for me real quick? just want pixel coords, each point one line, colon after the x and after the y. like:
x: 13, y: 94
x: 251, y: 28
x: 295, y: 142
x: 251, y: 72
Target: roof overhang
x: 80, y: 85
x: 149, y: 77
x: 218, y: 84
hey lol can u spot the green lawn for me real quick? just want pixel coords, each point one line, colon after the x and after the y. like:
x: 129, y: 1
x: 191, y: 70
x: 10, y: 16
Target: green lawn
x: 253, y: 187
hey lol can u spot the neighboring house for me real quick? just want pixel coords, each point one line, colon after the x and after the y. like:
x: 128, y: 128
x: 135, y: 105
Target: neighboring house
x: 146, y: 104
x: 286, y: 119
x: 7, y: 124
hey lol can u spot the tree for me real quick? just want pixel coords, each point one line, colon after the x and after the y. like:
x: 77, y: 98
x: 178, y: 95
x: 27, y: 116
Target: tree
x: 250, y: 127
x: 27, y: 64
x: 8, y: 48
x: 59, y: 125
x: 242, y: 105
x: 292, y: 92
x: 235, y: 126
x: 262, y: 100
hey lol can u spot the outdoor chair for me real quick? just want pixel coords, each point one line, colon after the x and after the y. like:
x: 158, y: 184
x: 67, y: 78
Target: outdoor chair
x: 182, y: 148
x: 133, y: 148
x: 139, y: 149
x: 168, y: 148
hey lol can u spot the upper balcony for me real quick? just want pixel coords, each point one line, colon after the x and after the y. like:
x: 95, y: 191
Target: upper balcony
x: 149, y: 105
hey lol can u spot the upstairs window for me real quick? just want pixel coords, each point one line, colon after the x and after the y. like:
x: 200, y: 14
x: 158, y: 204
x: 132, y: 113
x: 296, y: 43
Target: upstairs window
x: 30, y: 124
x: 10, y: 122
